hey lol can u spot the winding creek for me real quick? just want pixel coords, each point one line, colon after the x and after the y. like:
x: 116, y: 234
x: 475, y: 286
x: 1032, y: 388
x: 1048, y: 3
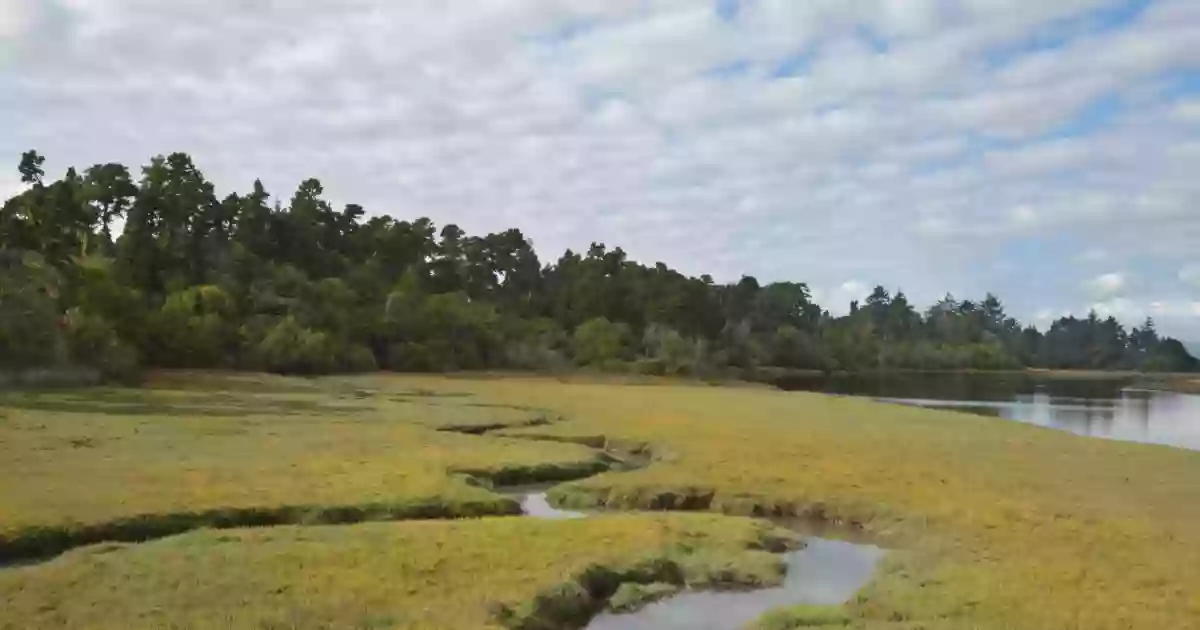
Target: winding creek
x: 825, y: 572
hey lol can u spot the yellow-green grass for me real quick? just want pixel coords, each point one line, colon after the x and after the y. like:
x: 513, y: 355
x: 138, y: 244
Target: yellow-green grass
x: 91, y: 465
x: 1004, y: 525
x: 633, y: 595
x: 802, y: 616
x: 997, y: 525
x: 488, y: 573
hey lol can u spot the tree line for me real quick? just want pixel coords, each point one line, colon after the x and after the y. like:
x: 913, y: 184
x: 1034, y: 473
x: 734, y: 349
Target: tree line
x: 245, y: 281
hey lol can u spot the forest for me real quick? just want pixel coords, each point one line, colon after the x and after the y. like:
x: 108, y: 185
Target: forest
x: 248, y: 281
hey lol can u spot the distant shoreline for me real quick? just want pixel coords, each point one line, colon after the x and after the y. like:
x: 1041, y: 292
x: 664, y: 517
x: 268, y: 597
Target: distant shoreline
x: 1182, y: 382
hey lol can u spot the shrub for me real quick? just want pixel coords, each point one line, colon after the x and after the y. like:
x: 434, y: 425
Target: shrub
x: 531, y: 355
x: 29, y: 315
x: 409, y: 357
x: 194, y: 328
x: 290, y: 348
x: 358, y: 358
x: 598, y: 341
x: 92, y: 341
x: 670, y: 353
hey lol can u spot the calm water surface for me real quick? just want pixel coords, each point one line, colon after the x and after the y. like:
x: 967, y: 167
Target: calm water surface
x: 826, y: 572
x: 1109, y: 408
x: 534, y: 504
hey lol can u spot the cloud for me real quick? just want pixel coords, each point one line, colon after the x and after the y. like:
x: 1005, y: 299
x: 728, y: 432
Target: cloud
x: 1106, y: 287
x: 10, y: 186
x: 922, y: 144
x: 1190, y: 275
x: 16, y: 17
x: 1091, y: 256
x: 1188, y: 111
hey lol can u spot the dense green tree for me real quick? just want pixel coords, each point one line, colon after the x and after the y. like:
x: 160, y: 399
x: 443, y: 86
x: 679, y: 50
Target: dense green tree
x: 197, y: 280
x: 110, y: 190
x: 30, y: 319
x: 30, y: 168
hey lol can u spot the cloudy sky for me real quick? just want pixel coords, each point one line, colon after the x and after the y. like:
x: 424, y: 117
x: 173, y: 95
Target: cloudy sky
x: 1048, y: 151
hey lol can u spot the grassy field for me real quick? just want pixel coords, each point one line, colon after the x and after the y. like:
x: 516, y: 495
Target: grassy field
x: 998, y: 525
x: 130, y: 464
x: 525, y: 573
x: 1006, y: 525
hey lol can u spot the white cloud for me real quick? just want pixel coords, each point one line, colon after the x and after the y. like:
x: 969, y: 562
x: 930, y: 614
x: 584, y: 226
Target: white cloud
x: 10, y: 186
x: 1190, y: 275
x: 1188, y: 111
x: 1120, y: 308
x: 16, y: 17
x: 1092, y: 255
x: 1170, y: 312
x: 658, y: 126
x: 1024, y: 216
x: 1106, y: 287
x: 837, y: 299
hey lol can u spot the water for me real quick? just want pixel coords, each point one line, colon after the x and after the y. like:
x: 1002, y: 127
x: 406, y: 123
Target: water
x: 1105, y: 408
x: 826, y: 572
x: 534, y: 504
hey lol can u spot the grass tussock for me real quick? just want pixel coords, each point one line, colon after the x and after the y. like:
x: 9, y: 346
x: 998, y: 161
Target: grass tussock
x: 632, y: 596
x: 802, y: 616
x: 487, y: 573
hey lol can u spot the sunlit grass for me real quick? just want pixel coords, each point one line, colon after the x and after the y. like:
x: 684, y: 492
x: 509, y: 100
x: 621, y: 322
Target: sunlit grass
x: 409, y: 575
x: 1006, y: 525
x: 995, y: 525
x: 141, y: 461
x: 802, y: 616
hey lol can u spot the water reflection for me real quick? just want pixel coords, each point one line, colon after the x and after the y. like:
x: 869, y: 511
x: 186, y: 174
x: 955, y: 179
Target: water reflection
x: 1106, y: 408
x: 535, y: 505
x: 826, y: 572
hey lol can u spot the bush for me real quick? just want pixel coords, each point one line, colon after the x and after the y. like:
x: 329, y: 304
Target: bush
x: 195, y: 329
x: 454, y: 332
x: 29, y: 316
x: 669, y: 353
x: 599, y: 341
x: 530, y: 355
x: 535, y: 344
x: 93, y: 342
x: 409, y: 357
x: 358, y: 358
x: 289, y: 348
x: 794, y: 348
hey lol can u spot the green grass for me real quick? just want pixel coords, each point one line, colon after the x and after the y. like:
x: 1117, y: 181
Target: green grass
x: 631, y: 596
x: 996, y: 525
x: 491, y: 573
x: 136, y: 464
x: 802, y: 616
x: 1006, y: 525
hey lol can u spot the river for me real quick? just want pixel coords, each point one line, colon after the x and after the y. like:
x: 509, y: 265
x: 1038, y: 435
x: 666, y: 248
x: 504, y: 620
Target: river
x: 1110, y: 408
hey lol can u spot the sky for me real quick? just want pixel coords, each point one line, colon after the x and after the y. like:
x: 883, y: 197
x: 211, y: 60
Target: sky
x: 1047, y: 151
